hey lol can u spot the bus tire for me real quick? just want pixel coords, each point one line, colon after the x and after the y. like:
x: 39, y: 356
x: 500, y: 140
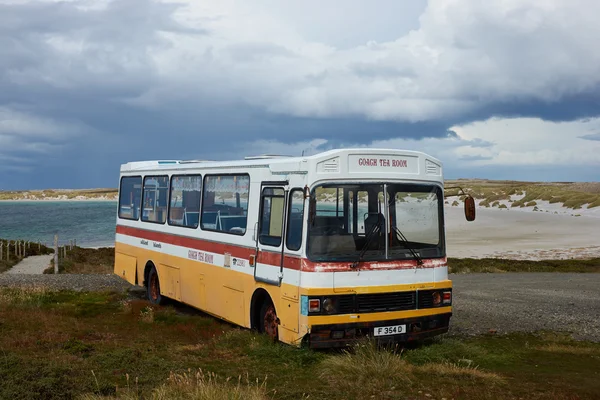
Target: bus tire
x: 153, y: 288
x: 269, y: 323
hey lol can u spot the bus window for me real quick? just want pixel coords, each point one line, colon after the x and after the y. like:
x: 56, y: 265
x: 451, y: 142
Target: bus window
x: 130, y: 195
x: 271, y: 218
x: 295, y: 220
x: 154, y: 208
x: 184, y: 207
x: 225, y: 203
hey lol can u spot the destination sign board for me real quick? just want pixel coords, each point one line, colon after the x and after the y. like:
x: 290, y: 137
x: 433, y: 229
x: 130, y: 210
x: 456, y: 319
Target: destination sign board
x: 383, y: 163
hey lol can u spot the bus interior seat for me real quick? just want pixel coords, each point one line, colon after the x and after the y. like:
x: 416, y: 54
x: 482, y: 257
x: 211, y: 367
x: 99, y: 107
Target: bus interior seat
x: 226, y: 224
x: 191, y: 218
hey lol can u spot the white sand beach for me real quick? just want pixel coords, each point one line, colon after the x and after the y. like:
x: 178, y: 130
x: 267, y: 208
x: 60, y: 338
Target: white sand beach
x: 523, y: 234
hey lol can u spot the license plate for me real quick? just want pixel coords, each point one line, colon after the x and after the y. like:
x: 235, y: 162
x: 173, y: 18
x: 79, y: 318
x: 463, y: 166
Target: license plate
x: 389, y: 330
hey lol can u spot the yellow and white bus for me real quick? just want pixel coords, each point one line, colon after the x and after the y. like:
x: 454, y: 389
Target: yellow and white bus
x: 318, y: 250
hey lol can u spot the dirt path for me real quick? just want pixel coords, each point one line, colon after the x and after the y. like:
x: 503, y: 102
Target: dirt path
x: 31, y: 265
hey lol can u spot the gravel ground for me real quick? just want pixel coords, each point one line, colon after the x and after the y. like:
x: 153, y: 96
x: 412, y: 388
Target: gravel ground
x: 503, y: 302
x: 79, y: 282
x: 506, y: 302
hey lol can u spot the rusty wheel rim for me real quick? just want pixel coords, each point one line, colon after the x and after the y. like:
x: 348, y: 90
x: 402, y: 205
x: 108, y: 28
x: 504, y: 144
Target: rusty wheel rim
x: 154, y: 288
x: 271, y: 322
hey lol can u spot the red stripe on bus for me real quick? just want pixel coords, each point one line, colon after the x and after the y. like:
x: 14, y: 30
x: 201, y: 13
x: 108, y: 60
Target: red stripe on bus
x: 274, y: 258
x: 265, y: 257
x: 310, y: 266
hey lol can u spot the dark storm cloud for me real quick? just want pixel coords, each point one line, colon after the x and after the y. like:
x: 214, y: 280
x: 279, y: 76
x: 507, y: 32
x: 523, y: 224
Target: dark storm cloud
x: 105, y: 85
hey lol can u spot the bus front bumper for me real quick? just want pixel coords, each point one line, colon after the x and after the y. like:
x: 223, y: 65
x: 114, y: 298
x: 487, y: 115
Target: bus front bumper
x: 341, y: 335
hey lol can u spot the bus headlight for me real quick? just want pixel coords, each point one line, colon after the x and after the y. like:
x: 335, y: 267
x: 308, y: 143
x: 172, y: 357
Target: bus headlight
x: 436, y: 299
x: 328, y: 305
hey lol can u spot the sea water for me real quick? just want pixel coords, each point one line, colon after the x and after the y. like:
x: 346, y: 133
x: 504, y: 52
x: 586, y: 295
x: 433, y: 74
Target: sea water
x: 91, y: 223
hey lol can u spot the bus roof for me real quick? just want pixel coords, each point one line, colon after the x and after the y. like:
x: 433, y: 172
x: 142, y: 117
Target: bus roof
x: 351, y: 161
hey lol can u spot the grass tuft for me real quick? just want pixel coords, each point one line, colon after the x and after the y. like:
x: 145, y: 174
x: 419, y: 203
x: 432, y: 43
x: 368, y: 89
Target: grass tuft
x: 197, y: 385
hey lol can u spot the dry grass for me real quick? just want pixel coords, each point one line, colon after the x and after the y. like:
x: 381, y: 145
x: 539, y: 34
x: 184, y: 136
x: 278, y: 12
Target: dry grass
x: 370, y: 372
x: 197, y: 385
x: 560, y: 348
x: 570, y: 195
x: 51, y: 342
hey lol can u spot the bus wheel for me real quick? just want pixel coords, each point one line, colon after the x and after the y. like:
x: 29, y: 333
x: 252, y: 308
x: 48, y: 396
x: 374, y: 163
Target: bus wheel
x: 269, y: 322
x: 153, y: 288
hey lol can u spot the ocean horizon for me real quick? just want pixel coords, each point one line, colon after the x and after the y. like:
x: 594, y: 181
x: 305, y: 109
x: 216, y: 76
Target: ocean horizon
x: 91, y: 223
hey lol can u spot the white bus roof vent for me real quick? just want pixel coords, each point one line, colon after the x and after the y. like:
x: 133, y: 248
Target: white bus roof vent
x: 266, y: 157
x: 194, y: 161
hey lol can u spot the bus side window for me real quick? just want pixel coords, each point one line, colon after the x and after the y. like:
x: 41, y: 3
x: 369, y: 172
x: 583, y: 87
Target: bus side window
x: 130, y: 197
x: 271, y: 218
x: 225, y: 203
x: 184, y: 207
x: 295, y: 220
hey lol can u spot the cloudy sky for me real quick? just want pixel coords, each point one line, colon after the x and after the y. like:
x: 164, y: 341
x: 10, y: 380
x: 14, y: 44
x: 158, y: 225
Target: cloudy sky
x: 500, y: 89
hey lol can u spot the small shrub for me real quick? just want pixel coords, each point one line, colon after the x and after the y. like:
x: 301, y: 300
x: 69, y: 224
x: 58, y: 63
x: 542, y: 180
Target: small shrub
x: 147, y: 314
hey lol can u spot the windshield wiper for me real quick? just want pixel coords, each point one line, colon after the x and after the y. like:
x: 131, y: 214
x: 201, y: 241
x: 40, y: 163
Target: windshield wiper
x: 402, y: 238
x: 375, y: 229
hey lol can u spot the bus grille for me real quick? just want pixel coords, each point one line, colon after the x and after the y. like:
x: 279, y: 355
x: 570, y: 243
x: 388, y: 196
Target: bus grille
x: 379, y: 302
x: 382, y: 302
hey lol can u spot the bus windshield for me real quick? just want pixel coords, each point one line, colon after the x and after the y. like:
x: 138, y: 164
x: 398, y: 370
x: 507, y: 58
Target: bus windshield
x: 348, y: 221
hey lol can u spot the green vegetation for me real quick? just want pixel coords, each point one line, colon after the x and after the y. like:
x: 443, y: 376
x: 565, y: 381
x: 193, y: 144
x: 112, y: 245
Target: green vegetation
x: 570, y: 195
x: 466, y: 265
x: 81, y: 260
x: 63, y: 345
x: 32, y: 250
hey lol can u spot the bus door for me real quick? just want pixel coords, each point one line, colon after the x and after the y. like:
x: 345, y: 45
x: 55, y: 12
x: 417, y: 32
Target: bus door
x: 270, y: 233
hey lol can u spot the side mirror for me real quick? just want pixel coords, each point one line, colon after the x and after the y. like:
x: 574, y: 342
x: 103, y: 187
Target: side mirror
x: 470, y: 208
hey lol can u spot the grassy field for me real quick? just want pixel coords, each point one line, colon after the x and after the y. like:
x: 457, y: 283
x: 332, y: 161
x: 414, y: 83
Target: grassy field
x: 63, y: 345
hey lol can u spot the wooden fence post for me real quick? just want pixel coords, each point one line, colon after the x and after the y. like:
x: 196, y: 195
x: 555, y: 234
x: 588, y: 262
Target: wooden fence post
x: 1, y: 250
x: 56, y: 254
x: 74, y: 242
